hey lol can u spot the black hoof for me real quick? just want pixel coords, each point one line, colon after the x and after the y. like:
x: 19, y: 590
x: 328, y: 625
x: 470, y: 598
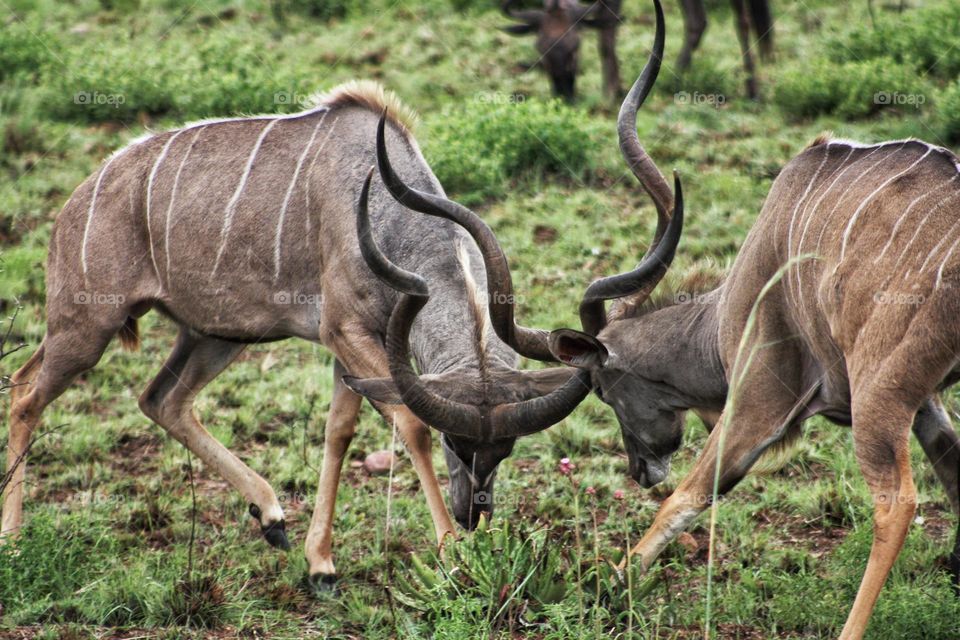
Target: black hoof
x: 323, y: 584
x: 275, y: 533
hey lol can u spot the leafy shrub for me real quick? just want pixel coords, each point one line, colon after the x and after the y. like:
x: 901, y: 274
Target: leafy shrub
x: 25, y: 48
x: 221, y: 75
x: 475, y: 150
x: 949, y: 108
x: 849, y: 89
x: 923, y: 40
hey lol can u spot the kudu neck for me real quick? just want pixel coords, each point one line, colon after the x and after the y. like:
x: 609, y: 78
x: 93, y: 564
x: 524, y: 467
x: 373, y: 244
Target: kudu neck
x: 678, y: 346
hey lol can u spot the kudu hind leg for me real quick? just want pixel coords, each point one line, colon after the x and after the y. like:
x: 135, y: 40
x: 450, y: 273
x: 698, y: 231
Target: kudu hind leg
x: 881, y: 431
x: 168, y: 401
x: 40, y: 381
x: 941, y: 445
x: 338, y: 433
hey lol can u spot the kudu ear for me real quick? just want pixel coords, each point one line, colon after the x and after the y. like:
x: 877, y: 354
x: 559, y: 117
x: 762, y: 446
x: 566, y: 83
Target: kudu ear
x: 578, y: 349
x: 376, y: 389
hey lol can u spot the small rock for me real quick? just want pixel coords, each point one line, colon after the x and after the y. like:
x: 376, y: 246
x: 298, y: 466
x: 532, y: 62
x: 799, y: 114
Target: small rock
x: 378, y: 463
x: 688, y: 542
x: 268, y: 362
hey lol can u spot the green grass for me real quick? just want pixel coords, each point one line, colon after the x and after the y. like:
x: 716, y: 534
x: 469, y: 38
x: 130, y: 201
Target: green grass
x: 109, y: 502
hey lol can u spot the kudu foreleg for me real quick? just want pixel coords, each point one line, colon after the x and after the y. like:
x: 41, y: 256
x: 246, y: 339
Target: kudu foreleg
x: 338, y: 433
x: 762, y: 418
x: 168, y: 401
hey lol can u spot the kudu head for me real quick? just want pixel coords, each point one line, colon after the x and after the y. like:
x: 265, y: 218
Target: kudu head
x: 557, y: 27
x: 480, y: 413
x: 608, y: 345
x: 612, y: 347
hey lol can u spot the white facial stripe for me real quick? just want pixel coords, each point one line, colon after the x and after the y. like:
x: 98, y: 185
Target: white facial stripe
x: 883, y: 185
x: 906, y: 213
x: 153, y: 175
x: 286, y: 200
x: 232, y: 204
x: 90, y: 210
x: 173, y: 197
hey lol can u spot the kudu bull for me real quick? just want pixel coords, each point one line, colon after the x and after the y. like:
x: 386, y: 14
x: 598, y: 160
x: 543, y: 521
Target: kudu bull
x: 557, y: 28
x: 863, y: 333
x: 243, y: 231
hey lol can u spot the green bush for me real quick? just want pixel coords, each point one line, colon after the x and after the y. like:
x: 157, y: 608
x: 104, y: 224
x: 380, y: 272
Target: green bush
x: 849, y: 89
x: 221, y: 75
x: 923, y: 40
x: 476, y: 150
x: 949, y: 108
x: 25, y: 48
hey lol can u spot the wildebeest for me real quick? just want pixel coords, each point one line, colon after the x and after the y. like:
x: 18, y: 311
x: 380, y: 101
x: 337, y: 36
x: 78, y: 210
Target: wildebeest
x: 842, y: 302
x: 243, y: 231
x: 557, y: 28
x: 750, y: 15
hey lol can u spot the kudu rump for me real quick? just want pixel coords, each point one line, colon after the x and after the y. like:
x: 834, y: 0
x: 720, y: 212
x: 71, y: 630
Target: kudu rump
x: 842, y: 302
x: 243, y: 231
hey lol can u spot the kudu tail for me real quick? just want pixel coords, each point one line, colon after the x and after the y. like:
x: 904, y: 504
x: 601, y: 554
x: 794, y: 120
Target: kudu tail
x: 778, y: 454
x: 129, y: 334
x: 762, y: 21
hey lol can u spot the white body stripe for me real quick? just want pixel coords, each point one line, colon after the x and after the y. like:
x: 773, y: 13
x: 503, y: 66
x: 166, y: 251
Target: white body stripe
x: 306, y: 201
x: 916, y: 233
x: 906, y: 213
x: 90, y: 211
x: 883, y: 185
x: 840, y: 170
x: 286, y: 200
x: 153, y: 175
x: 946, y: 258
x: 232, y: 204
x: 173, y: 197
x: 840, y: 199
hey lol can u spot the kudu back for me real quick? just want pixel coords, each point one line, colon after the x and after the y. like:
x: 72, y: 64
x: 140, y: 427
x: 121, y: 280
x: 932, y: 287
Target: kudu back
x: 244, y: 231
x: 842, y: 302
